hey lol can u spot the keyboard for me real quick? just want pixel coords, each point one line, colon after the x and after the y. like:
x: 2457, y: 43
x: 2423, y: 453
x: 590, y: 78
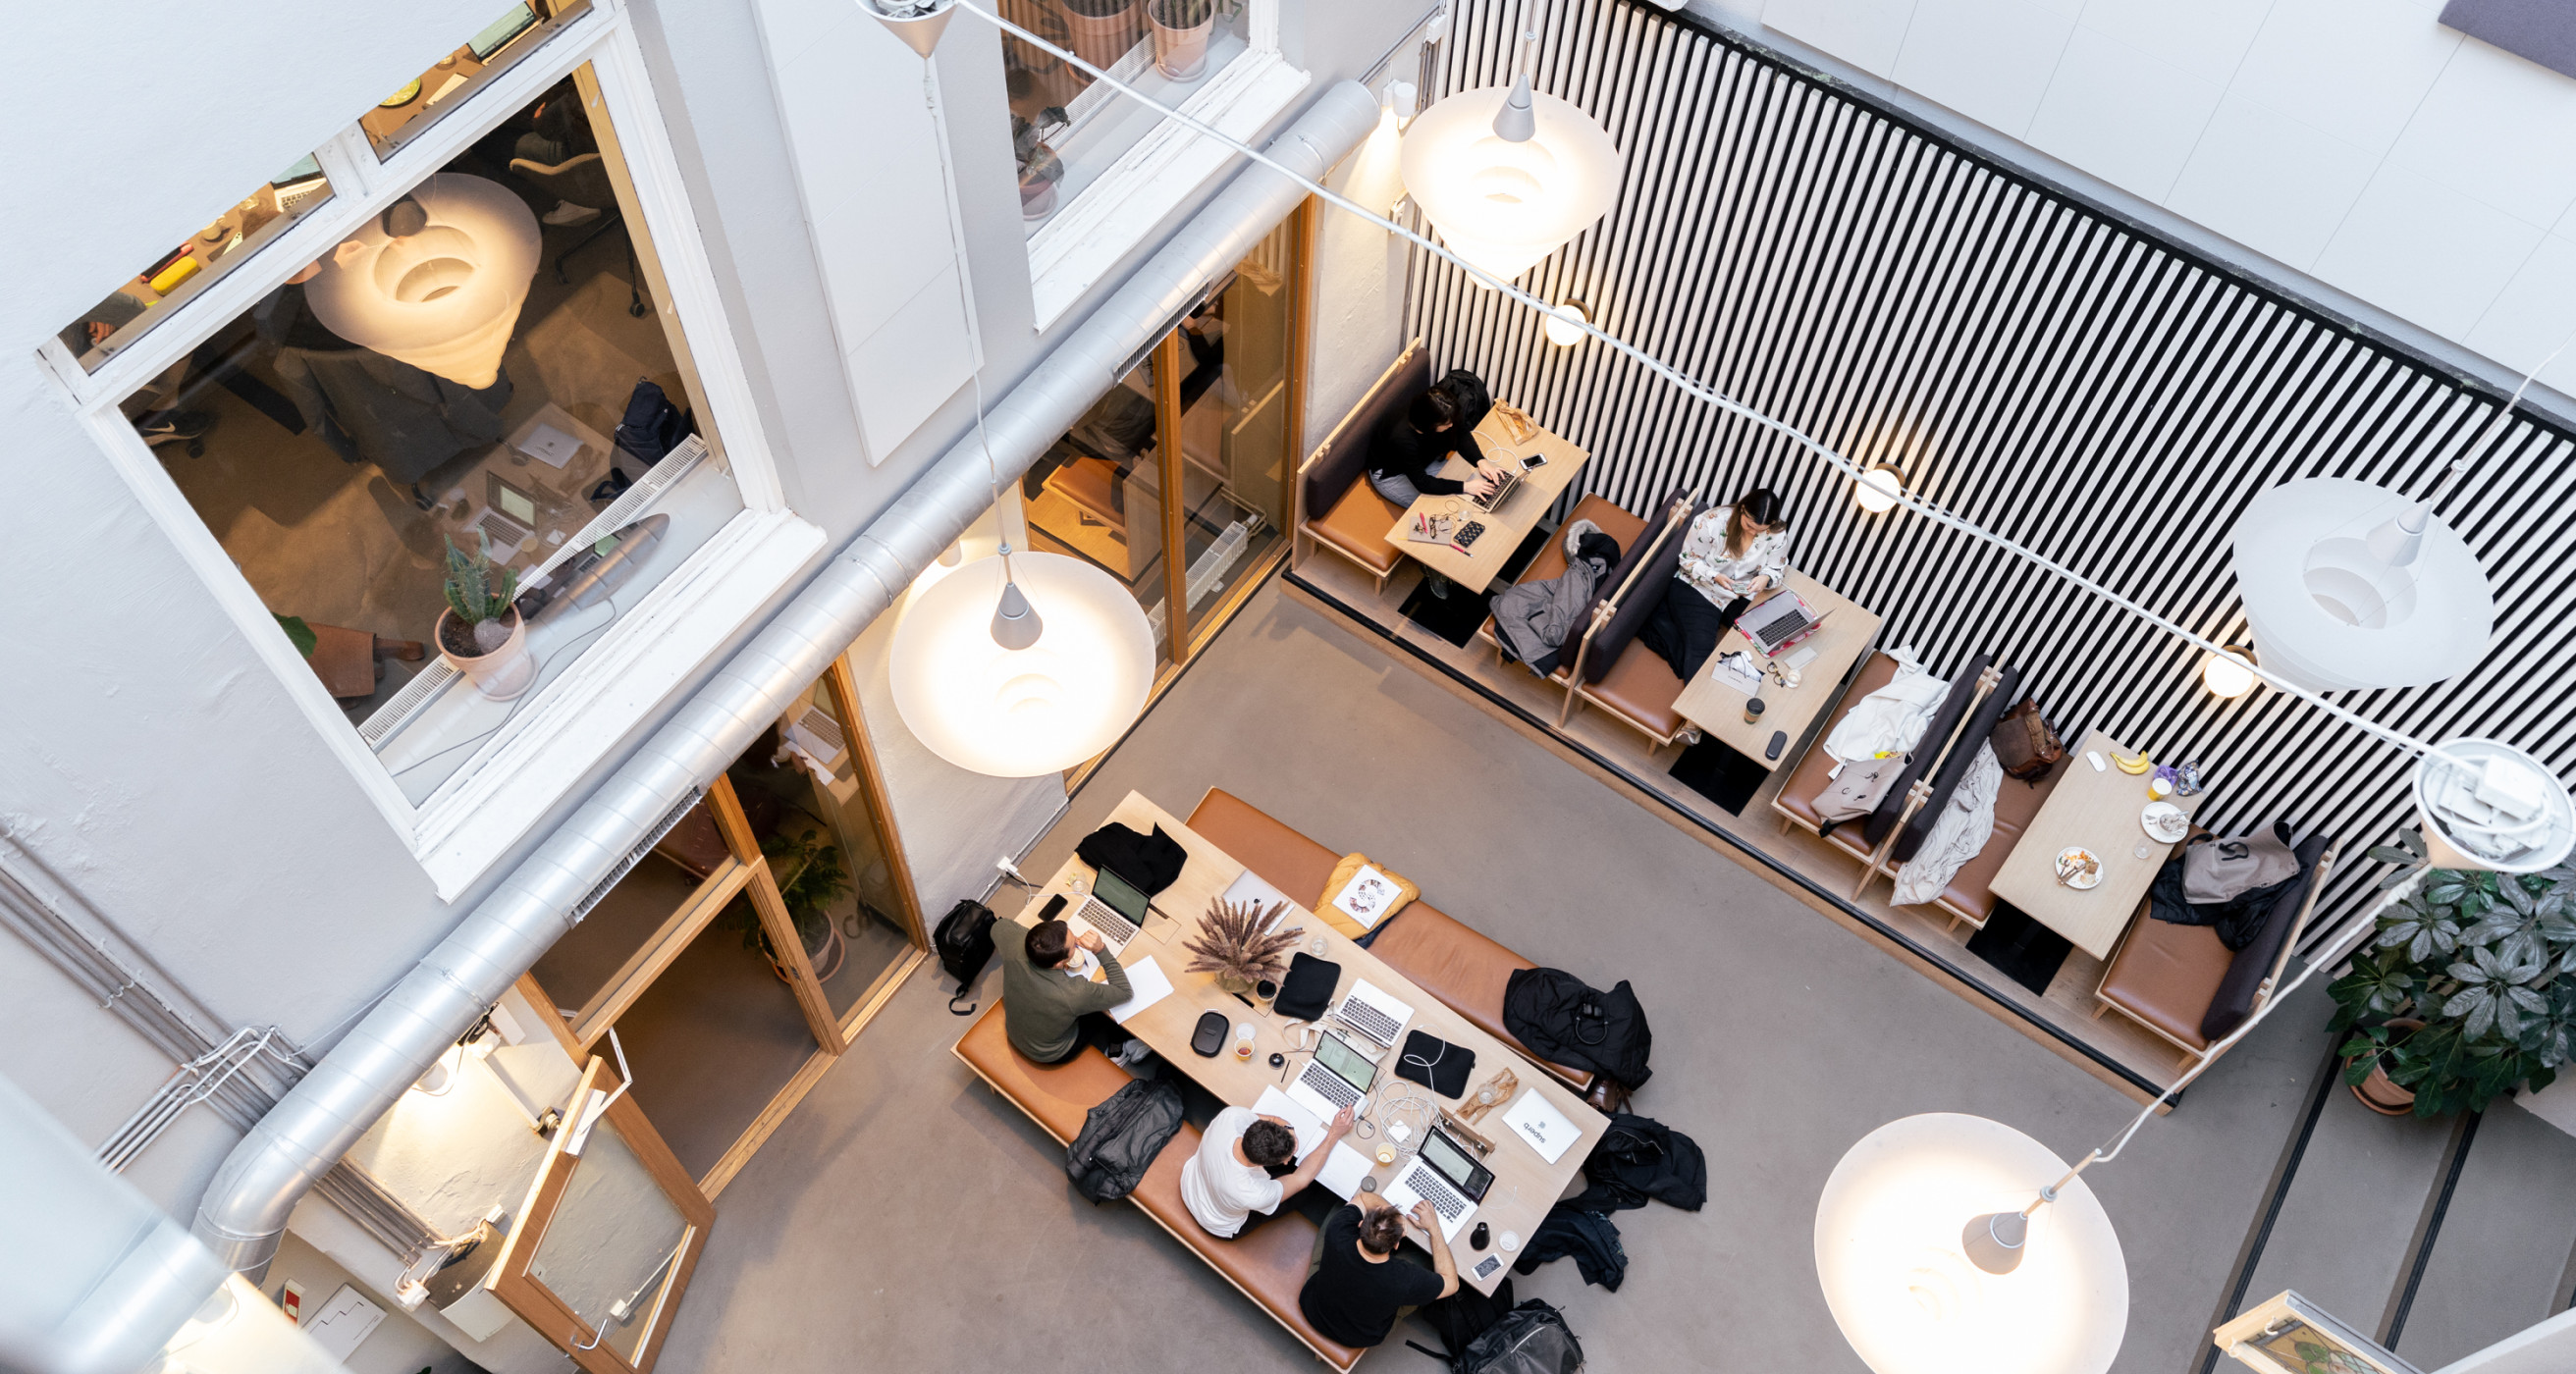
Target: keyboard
x: 1427, y: 1184
x: 1330, y: 1086
x: 1781, y: 630
x: 1368, y: 1020
x: 1112, y: 925
x: 503, y: 531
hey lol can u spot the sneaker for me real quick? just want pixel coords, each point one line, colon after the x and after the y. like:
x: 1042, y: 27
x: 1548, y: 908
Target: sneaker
x: 1574, y: 536
x: 170, y: 426
x: 1132, y: 1055
x: 565, y: 212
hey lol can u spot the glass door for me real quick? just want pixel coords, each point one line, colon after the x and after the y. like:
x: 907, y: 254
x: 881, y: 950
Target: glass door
x: 600, y: 1252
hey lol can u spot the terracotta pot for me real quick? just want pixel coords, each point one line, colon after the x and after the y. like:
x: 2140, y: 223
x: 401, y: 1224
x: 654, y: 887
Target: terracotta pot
x: 2381, y: 1094
x: 1102, y: 38
x: 1179, y: 53
x: 505, y: 673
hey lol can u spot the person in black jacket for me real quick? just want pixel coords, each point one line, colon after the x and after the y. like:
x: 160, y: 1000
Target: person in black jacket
x: 1406, y: 456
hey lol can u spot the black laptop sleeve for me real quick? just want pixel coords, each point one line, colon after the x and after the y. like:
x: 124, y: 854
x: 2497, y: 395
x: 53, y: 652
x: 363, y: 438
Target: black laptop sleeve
x: 1435, y: 1063
x: 1307, y: 991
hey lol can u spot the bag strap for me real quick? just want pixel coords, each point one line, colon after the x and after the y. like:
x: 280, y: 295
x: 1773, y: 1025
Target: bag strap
x: 953, y: 1009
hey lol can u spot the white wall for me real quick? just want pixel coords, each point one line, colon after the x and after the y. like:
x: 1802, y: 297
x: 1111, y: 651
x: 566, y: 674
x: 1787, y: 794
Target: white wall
x: 2358, y: 141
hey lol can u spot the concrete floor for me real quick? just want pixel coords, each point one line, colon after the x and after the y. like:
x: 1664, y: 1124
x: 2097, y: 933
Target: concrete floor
x: 904, y: 1218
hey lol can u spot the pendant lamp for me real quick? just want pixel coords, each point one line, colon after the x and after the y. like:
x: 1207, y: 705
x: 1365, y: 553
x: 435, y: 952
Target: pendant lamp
x: 437, y: 280
x: 1908, y: 1252
x: 1509, y: 176
x: 2349, y: 585
x: 2485, y: 804
x: 1022, y: 664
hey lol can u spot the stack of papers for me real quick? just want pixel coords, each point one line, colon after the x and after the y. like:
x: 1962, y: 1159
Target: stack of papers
x: 1146, y: 985
x: 1366, y: 896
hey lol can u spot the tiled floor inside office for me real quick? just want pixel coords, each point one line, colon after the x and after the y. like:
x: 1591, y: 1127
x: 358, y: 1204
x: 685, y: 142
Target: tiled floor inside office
x: 905, y: 1218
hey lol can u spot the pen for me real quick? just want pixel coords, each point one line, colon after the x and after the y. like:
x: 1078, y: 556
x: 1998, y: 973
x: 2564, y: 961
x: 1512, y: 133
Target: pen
x: 1461, y: 550
x: 1243, y: 999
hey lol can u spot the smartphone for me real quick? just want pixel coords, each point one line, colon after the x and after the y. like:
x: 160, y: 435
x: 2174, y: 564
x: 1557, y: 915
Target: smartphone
x: 1534, y: 462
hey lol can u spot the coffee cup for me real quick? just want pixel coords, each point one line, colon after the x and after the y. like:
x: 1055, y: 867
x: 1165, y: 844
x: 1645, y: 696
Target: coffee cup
x: 1753, y: 709
x: 1243, y: 1041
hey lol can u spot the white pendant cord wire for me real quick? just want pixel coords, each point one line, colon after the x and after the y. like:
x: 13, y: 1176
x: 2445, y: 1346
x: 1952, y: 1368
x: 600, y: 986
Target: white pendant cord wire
x: 1711, y: 396
x: 966, y: 315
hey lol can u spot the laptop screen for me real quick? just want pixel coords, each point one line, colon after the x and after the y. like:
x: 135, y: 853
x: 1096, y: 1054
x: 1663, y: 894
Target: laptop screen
x: 1446, y: 1157
x: 1121, y: 896
x: 1345, y: 1061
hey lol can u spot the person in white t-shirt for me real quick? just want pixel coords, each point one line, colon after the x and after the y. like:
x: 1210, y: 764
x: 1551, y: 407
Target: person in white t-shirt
x: 1228, y: 1179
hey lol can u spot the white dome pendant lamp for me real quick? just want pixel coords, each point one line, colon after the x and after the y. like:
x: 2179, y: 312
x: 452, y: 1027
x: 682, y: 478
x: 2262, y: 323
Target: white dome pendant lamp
x: 1951, y: 1244
x: 1509, y: 176
x: 2348, y: 585
x: 437, y: 280
x: 1022, y: 664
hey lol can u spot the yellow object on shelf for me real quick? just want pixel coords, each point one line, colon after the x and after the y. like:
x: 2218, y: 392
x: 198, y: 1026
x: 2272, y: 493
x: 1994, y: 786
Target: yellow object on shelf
x: 401, y: 97
x: 174, y: 274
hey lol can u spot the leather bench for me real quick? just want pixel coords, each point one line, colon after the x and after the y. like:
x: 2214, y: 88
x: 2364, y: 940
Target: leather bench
x: 2191, y: 990
x: 1337, y: 509
x: 1633, y: 683
x: 1443, y: 956
x: 1267, y: 1263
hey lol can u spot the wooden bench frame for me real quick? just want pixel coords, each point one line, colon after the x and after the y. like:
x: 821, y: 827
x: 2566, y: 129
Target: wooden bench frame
x: 1306, y: 535
x: 2262, y: 991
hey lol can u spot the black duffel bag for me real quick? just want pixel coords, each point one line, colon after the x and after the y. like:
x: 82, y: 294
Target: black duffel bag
x: 1567, y: 1022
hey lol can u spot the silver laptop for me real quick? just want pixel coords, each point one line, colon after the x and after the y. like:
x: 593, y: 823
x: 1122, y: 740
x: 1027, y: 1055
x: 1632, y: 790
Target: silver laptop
x: 1504, y: 485
x: 1115, y: 908
x: 1338, y: 1077
x: 1777, y: 621
x: 1427, y: 1178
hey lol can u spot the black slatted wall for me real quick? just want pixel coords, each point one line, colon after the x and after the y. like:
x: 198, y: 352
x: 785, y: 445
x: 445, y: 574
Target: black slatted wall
x: 2028, y: 360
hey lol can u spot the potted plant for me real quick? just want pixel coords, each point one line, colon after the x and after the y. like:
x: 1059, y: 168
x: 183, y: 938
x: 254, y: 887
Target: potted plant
x: 2468, y: 991
x: 807, y: 868
x: 1235, y: 943
x: 481, y: 634
x: 1040, y: 168
x: 1103, y: 30
x: 1181, y: 29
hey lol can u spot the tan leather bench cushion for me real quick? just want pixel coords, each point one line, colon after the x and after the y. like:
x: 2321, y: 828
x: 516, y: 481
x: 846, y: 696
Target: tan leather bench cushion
x: 1056, y: 1096
x: 2165, y: 975
x: 1815, y: 767
x: 1090, y: 483
x: 1443, y: 957
x: 1357, y: 525
x: 1641, y: 686
x: 2016, y: 802
x: 1268, y: 1261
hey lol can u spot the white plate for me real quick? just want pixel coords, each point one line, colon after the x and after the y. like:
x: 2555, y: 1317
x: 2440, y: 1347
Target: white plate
x: 2164, y: 822
x: 2081, y: 882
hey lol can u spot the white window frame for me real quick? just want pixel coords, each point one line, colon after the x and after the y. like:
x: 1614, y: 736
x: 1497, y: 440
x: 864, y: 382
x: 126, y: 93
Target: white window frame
x: 518, y: 776
x: 1093, y: 232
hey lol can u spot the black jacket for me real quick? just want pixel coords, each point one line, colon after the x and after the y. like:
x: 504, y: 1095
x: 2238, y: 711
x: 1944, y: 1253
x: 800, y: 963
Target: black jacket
x: 1639, y: 1159
x: 1400, y: 450
x: 1553, y: 1013
x: 1151, y: 862
x: 1590, y: 1237
x: 1120, y: 1138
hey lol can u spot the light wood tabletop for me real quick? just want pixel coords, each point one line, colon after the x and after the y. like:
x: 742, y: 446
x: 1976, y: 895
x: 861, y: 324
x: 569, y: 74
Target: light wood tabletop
x: 1505, y: 528
x: 1717, y: 708
x: 1525, y: 1185
x: 2099, y: 812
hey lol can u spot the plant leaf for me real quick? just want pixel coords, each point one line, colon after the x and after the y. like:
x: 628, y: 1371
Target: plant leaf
x: 2467, y: 972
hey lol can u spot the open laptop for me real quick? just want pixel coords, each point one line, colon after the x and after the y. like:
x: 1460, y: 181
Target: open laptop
x: 1368, y: 1011
x: 1778, y: 622
x: 1507, y: 482
x: 1115, y: 908
x: 1338, y: 1077
x: 1444, y: 1174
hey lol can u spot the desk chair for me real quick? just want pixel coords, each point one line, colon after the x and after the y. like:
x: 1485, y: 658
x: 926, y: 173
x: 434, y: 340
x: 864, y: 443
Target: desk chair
x: 583, y: 180
x: 351, y: 662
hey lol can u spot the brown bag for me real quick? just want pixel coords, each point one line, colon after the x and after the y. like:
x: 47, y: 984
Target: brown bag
x: 2024, y: 744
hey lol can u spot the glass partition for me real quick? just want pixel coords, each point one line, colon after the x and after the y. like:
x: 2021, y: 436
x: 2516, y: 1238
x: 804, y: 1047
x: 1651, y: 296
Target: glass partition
x: 1067, y: 128
x: 1096, y: 494
x: 107, y: 328
x: 1235, y: 422
x: 417, y: 105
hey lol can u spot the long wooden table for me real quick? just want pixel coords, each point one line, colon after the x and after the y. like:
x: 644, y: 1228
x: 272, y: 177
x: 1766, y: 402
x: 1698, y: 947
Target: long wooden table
x: 1717, y: 708
x: 2099, y: 811
x: 1505, y: 528
x: 1525, y: 1184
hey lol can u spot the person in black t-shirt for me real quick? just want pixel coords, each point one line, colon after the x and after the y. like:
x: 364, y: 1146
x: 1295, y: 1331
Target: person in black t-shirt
x: 1358, y: 1288
x: 1406, y: 455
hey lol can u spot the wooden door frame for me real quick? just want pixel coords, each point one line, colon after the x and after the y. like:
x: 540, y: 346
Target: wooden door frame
x: 537, y: 1305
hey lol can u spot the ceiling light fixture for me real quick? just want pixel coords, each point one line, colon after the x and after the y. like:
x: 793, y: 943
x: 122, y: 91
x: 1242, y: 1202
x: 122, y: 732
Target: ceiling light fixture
x: 1022, y: 664
x: 2349, y: 585
x: 1565, y: 324
x: 1509, y: 175
x: 2229, y: 675
x: 1878, y: 489
x: 437, y: 280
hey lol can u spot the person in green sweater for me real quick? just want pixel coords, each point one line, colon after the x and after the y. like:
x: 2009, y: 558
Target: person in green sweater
x: 1042, y: 1005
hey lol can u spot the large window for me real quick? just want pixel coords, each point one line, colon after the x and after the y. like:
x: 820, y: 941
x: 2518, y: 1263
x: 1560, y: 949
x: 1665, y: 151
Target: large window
x: 1066, y: 128
x: 176, y: 277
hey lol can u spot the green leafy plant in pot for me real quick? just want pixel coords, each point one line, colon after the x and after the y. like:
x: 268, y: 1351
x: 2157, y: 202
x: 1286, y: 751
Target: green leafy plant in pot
x: 810, y: 876
x: 481, y: 634
x: 2468, y: 991
x: 1040, y: 168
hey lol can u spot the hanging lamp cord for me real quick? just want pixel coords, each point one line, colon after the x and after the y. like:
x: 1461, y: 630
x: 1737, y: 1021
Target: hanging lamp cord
x: 966, y: 313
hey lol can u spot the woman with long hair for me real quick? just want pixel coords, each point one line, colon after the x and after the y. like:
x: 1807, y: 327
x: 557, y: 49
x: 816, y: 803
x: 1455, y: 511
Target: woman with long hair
x: 1731, y: 557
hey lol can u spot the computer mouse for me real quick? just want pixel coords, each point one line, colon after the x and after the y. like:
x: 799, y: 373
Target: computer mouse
x: 1478, y: 1236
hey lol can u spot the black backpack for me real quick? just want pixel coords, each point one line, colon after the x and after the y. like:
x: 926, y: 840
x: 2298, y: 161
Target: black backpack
x: 1568, y: 1022
x: 1530, y: 1339
x: 965, y: 943
x: 1461, y: 1317
x: 652, y: 427
x: 1468, y: 390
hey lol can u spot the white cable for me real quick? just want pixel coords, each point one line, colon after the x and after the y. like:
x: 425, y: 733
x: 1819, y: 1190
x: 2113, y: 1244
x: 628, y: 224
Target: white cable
x: 1710, y: 395
x: 966, y: 313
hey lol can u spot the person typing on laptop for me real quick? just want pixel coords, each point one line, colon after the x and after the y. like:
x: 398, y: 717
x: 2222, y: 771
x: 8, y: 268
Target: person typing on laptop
x: 1043, y: 1008
x: 1358, y: 1289
x: 1228, y: 1179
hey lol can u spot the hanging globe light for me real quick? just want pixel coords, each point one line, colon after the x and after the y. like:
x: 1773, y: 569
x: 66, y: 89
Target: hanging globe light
x: 1936, y: 1257
x: 2350, y: 585
x: 1021, y: 664
x: 1509, y: 176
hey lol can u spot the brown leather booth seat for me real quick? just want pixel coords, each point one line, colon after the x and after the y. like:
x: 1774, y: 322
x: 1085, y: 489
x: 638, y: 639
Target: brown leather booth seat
x: 1442, y: 956
x: 1796, y: 802
x: 1641, y: 689
x: 1267, y: 1264
x: 2164, y: 975
x: 1970, y: 895
x: 1356, y: 528
x: 1336, y: 507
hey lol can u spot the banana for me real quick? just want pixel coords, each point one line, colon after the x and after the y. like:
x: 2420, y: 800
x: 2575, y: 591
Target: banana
x: 2132, y: 763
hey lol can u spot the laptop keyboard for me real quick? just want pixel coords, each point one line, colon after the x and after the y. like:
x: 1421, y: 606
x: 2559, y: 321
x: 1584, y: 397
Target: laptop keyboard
x: 1107, y: 920
x: 1330, y: 1086
x: 501, y: 529
x: 1778, y: 631
x: 1368, y: 1020
x: 1435, y: 1190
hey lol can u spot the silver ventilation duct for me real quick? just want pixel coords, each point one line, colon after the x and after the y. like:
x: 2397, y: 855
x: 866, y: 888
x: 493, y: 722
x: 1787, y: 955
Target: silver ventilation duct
x: 246, y: 1206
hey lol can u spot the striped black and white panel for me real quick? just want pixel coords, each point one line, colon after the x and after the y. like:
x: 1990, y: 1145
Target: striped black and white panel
x: 2027, y: 360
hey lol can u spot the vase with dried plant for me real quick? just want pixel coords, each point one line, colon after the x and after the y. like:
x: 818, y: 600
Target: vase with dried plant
x: 1235, y: 942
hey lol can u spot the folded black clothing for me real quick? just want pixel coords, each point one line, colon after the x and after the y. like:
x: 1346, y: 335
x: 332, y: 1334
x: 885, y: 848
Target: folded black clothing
x: 2238, y: 919
x: 1641, y: 1158
x: 1591, y: 1237
x: 1435, y: 1063
x: 1151, y: 862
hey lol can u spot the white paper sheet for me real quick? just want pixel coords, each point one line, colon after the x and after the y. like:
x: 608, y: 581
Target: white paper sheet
x: 1366, y: 896
x: 1343, y: 1171
x: 1146, y: 985
x: 1309, y: 1128
x: 1535, y: 1119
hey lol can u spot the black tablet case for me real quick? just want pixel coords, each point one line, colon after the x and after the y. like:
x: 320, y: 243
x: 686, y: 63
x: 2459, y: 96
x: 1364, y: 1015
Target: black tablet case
x: 1450, y: 1064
